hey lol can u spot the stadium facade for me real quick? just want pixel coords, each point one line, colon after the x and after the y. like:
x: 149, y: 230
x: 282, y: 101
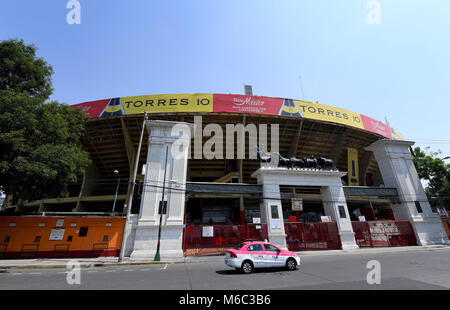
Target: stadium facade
x: 214, y: 200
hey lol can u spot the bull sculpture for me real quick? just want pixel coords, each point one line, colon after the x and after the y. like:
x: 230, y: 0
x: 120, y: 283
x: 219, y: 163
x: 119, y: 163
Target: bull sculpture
x: 298, y: 163
x: 262, y: 157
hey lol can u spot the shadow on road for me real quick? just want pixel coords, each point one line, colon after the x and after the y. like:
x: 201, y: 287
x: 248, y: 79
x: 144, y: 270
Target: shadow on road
x: 229, y: 272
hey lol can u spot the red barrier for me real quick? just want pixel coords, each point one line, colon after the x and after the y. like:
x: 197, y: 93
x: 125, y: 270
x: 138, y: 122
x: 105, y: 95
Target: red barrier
x: 384, y: 233
x: 223, y: 237
x: 312, y: 236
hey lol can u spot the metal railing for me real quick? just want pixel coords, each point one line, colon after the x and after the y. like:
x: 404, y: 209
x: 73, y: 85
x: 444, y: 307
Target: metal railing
x: 61, y: 250
x: 217, y: 239
x: 384, y: 233
x: 29, y: 250
x: 100, y: 249
x: 312, y: 236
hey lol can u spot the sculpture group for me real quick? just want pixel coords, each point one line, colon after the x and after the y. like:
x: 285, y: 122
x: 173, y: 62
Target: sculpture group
x: 274, y: 158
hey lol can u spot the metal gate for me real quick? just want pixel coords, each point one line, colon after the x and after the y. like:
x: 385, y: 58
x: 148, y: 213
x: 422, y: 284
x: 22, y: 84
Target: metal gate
x: 384, y: 233
x: 312, y: 236
x: 217, y: 239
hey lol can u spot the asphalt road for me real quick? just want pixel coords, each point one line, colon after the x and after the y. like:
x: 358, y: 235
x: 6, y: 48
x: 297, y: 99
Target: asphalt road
x: 424, y: 270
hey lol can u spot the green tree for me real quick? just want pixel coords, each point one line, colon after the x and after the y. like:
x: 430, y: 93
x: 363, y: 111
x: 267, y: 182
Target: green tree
x: 40, y: 154
x: 431, y: 168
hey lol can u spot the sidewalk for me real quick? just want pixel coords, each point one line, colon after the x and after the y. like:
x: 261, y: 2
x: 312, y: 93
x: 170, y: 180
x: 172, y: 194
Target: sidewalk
x: 113, y: 261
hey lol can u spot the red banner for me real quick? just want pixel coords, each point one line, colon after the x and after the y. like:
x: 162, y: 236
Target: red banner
x: 92, y: 108
x: 247, y: 104
x: 376, y: 126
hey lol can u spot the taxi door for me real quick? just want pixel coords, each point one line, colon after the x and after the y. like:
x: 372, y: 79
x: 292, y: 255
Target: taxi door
x: 256, y: 252
x: 272, y: 257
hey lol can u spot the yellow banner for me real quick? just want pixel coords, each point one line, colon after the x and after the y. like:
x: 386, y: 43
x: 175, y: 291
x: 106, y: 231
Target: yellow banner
x: 329, y: 114
x: 168, y: 103
x: 353, y: 169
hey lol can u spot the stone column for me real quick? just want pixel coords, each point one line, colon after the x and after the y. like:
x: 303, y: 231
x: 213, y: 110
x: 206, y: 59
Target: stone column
x: 171, y: 139
x: 272, y: 200
x: 397, y: 169
x: 272, y: 214
x: 335, y: 206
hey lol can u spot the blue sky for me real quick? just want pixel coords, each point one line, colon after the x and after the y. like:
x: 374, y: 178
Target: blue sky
x: 399, y: 69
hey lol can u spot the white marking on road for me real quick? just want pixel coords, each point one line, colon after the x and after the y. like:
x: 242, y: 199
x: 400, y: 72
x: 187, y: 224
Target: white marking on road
x: 110, y: 270
x: 37, y: 273
x: 165, y: 267
x: 16, y: 273
x: 127, y: 270
x: 62, y: 271
x: 92, y: 271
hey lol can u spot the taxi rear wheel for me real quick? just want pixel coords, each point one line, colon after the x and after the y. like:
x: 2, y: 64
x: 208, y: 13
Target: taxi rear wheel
x: 247, y: 267
x: 291, y: 264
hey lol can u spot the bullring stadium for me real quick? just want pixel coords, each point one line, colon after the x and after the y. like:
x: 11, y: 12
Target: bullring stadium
x: 223, y: 200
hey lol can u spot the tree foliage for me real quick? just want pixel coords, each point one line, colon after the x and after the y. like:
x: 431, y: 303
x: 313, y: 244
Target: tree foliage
x: 40, y: 154
x: 22, y: 72
x: 435, y: 171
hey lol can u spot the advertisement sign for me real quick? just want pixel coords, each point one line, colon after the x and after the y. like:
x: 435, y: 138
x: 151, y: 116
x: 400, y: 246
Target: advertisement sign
x: 114, y: 108
x: 247, y: 104
x: 396, y: 135
x: 229, y: 103
x: 353, y: 169
x: 362, y: 218
x: 275, y: 224
x: 256, y: 220
x: 208, y: 231
x: 297, y: 204
x: 329, y: 114
x: 376, y: 126
x: 168, y: 103
x: 290, y: 109
x: 93, y: 109
x: 57, y: 234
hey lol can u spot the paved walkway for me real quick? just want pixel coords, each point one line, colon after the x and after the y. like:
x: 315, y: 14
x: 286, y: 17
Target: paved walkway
x: 112, y: 261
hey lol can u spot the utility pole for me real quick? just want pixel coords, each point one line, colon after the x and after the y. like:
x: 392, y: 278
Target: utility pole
x: 133, y: 182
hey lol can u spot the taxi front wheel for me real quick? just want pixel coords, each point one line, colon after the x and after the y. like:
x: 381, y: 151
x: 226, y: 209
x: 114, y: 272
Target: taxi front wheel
x: 291, y: 264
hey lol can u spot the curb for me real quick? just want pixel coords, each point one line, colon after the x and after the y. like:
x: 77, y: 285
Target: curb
x: 84, y: 265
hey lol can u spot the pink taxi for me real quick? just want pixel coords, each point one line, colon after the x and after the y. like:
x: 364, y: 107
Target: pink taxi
x: 250, y: 255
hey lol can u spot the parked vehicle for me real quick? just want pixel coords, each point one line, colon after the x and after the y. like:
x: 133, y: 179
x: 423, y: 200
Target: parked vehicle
x: 250, y: 255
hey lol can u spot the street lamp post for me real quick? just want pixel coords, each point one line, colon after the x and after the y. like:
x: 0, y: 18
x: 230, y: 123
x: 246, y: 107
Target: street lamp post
x: 116, y: 172
x: 162, y: 210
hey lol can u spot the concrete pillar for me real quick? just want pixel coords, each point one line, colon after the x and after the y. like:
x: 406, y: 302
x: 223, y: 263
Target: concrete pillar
x: 272, y: 214
x: 335, y: 206
x: 163, y: 136
x: 397, y: 169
